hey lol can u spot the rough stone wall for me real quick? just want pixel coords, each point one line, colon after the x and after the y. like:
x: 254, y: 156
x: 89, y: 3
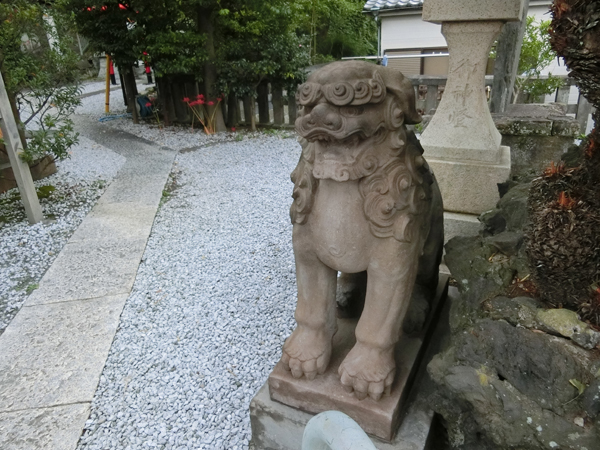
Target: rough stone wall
x: 515, y: 374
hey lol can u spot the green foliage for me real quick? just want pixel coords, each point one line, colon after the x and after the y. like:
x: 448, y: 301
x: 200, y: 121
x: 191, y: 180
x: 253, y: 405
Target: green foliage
x: 107, y: 26
x: 32, y: 287
x: 45, y: 191
x: 259, y: 44
x: 536, y: 54
x: 168, y: 33
x: 41, y: 75
x: 335, y: 28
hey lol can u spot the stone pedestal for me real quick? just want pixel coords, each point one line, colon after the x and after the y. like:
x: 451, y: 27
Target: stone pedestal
x: 325, y: 392
x: 536, y: 134
x: 462, y: 144
x: 471, y: 187
x: 276, y: 426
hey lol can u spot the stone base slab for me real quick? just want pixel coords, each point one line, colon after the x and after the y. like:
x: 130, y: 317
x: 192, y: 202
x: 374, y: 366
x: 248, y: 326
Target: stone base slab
x: 279, y: 427
x: 326, y: 393
x: 456, y: 224
x: 469, y: 187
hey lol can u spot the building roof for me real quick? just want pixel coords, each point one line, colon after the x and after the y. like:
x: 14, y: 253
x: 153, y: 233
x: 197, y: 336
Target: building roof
x: 384, y: 5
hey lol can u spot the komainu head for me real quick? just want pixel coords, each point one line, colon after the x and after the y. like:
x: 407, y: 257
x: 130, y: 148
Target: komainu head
x: 354, y: 98
x: 352, y: 128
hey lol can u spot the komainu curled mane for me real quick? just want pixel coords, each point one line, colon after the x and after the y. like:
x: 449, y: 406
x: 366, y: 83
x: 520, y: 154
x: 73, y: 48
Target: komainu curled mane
x: 364, y: 199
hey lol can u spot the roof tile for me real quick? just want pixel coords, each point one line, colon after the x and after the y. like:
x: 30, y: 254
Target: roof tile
x: 375, y: 5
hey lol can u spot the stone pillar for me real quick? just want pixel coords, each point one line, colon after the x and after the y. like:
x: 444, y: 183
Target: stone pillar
x: 461, y: 143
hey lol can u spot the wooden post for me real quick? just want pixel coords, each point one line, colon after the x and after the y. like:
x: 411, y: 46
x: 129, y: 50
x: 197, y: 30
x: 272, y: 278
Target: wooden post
x: 14, y: 148
x: 278, y: 112
x: 233, y: 107
x: 161, y: 85
x: 248, y: 110
x: 263, y: 103
x: 508, y: 52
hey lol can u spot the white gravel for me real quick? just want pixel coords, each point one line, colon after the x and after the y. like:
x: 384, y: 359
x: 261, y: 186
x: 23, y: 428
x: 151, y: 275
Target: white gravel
x: 26, y: 251
x: 212, y: 304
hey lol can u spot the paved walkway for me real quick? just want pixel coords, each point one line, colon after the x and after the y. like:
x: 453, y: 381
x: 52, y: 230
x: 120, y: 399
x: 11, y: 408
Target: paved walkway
x: 53, y: 352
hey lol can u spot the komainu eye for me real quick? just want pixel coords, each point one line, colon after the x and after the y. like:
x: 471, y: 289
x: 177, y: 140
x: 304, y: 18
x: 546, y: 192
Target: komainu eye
x: 351, y: 111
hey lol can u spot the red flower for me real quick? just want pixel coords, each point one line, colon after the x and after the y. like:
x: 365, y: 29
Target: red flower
x: 194, y: 103
x: 200, y: 97
x: 211, y: 103
x: 201, y: 101
x: 232, y: 128
x: 148, y: 104
x: 186, y: 99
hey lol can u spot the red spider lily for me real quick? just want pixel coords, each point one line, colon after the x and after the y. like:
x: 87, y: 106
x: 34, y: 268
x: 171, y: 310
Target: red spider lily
x: 148, y: 104
x: 232, y: 128
x: 201, y: 114
x: 186, y: 99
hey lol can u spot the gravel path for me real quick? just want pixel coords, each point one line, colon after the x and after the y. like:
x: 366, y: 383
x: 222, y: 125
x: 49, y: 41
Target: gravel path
x: 26, y: 252
x: 212, y: 304
x: 214, y: 296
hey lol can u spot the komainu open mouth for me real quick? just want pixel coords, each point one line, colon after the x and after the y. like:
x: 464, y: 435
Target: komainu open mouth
x: 352, y: 140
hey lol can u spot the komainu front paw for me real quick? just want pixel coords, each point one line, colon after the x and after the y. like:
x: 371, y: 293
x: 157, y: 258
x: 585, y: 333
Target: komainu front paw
x: 307, y: 352
x: 368, y: 371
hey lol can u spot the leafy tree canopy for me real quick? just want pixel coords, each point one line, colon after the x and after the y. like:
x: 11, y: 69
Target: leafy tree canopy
x: 261, y: 45
x: 536, y: 54
x: 40, y: 71
x: 335, y: 28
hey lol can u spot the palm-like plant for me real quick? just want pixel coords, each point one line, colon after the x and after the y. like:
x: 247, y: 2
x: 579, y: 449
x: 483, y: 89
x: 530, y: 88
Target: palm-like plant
x: 564, y: 237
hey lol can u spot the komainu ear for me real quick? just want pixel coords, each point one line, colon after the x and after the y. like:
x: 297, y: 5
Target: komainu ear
x: 403, y: 90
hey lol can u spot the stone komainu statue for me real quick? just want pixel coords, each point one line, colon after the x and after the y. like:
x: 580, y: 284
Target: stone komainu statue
x: 364, y: 203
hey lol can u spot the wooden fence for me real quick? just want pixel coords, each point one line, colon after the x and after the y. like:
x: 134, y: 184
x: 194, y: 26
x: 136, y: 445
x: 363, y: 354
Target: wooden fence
x: 275, y: 108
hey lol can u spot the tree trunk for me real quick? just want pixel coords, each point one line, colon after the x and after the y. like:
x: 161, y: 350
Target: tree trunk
x: 129, y: 80
x: 210, y: 72
x: 123, y: 88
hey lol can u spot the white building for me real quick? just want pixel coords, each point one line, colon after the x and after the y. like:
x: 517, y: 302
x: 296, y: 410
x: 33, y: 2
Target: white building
x: 403, y: 32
